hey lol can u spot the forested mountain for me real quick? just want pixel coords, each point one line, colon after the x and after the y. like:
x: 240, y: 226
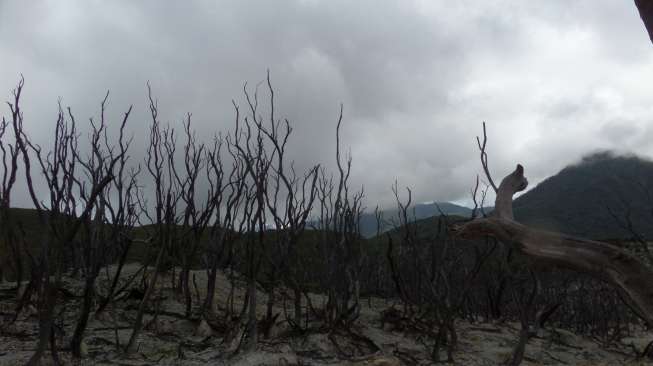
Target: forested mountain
x: 594, y: 198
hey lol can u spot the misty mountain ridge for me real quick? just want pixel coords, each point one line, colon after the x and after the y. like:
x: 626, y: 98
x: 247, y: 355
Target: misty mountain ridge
x: 593, y: 198
x: 420, y: 211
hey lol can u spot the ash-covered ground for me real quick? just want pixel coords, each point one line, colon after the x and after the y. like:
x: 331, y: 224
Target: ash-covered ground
x: 169, y: 338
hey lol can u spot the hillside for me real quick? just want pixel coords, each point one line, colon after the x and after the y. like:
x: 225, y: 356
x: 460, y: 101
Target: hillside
x: 369, y: 226
x: 579, y: 199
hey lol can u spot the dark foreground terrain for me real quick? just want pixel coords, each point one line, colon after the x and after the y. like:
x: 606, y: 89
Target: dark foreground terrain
x: 170, y: 339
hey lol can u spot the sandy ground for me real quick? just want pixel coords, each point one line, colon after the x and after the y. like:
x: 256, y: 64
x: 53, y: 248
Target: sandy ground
x: 172, y: 340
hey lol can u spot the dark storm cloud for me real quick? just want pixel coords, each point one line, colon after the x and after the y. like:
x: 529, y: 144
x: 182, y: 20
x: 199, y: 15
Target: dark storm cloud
x: 553, y: 79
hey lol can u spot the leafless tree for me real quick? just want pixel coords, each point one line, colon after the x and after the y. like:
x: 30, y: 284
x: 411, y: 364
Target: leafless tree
x: 248, y: 140
x: 159, y: 163
x: 289, y: 202
x: 96, y: 234
x: 196, y: 216
x: 9, y: 241
x: 121, y: 203
x: 433, y: 274
x: 60, y: 215
x: 227, y: 198
x: 339, y: 217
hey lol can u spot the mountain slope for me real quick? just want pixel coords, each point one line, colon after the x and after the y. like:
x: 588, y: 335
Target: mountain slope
x: 369, y: 227
x: 580, y: 198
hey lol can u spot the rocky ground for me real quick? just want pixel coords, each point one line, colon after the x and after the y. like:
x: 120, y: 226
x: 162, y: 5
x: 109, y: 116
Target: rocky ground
x: 169, y: 339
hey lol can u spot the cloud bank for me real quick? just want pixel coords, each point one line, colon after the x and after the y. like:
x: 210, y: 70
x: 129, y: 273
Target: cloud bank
x: 554, y: 80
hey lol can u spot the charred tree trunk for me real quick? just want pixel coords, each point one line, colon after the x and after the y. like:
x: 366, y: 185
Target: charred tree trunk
x: 210, y: 288
x: 298, y: 305
x: 46, y: 309
x: 114, y: 281
x: 138, y: 323
x: 252, y: 325
x: 87, y: 304
x: 184, y: 277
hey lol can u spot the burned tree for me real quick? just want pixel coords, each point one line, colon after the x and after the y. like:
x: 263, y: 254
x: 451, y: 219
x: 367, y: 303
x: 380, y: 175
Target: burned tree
x: 9, y: 235
x: 163, y: 225
x: 433, y: 275
x: 121, y: 203
x: 96, y: 234
x: 289, y: 201
x: 196, y: 216
x: 339, y: 218
x: 60, y: 216
x: 248, y: 141
x: 227, y: 198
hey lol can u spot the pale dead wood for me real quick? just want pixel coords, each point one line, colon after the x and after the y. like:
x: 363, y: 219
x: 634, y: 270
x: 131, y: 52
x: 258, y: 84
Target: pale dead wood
x: 601, y: 260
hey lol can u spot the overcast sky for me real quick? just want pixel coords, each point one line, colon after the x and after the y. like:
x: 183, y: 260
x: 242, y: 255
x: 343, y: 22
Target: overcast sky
x: 554, y: 79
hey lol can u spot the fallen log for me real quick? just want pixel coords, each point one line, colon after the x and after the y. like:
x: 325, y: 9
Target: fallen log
x: 598, y: 259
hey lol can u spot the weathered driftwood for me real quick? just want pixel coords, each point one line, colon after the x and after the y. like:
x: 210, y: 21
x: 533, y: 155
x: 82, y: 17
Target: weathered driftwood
x: 601, y: 260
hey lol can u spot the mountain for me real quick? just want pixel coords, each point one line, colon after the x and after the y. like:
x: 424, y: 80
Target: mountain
x: 593, y: 198
x: 369, y: 227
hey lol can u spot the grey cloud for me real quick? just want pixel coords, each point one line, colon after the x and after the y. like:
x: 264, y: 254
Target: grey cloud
x: 416, y: 78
